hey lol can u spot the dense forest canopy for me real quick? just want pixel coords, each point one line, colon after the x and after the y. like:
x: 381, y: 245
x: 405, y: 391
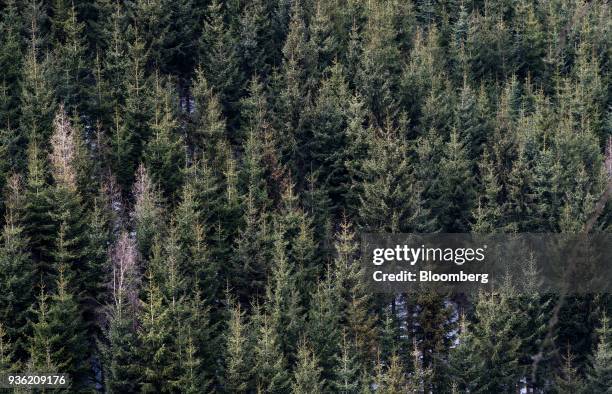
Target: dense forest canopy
x: 184, y: 183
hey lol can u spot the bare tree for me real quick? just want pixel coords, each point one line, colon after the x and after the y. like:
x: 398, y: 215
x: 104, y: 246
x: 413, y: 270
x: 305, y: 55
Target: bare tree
x: 63, y: 150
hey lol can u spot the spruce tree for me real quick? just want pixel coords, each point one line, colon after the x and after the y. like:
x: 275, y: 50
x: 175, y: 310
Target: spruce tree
x: 119, y: 346
x: 219, y: 57
x: 325, y: 148
x: 379, y: 64
x: 136, y: 112
x: 156, y: 355
x: 348, y: 369
x: 207, y: 134
x: 568, y: 379
x: 391, y: 199
x: 58, y: 329
x: 37, y: 96
x: 238, y: 362
x: 599, y: 377
x: 164, y: 153
x: 453, y: 194
x: 283, y: 300
x: 6, y: 352
x: 147, y: 214
x: 16, y: 272
x: 252, y: 253
x: 269, y: 362
x: 307, y: 375
x: 323, y: 328
x: 495, y: 344
x: 70, y: 63
x: 464, y: 362
x: 36, y: 220
x: 11, y: 62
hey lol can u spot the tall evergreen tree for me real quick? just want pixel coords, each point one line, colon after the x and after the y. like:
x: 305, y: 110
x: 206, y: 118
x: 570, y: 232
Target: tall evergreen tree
x: 599, y: 378
x: 164, y: 154
x: 307, y: 373
x: 16, y: 273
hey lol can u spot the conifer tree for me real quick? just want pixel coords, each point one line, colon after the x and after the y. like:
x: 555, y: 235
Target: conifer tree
x: 495, y: 344
x: 164, y: 153
x: 488, y: 213
x: 283, y: 300
x: 157, y: 366
x: 379, y: 63
x: 208, y: 127
x: 68, y: 212
x: 136, y: 112
x: 70, y: 65
x: 323, y: 327
x: 39, y: 227
x: 392, y: 380
x: 306, y: 378
x: 37, y: 95
x: 326, y: 146
x: 356, y: 134
x: 599, y: 377
x: 355, y: 301
x: 6, y: 352
x: 121, y: 150
x: 239, y: 357
x: 568, y: 380
x: 260, y: 168
x: 463, y: 361
x: 16, y: 272
x: 11, y: 63
x: 529, y: 47
x: 252, y: 253
x: 269, y: 362
x: 348, y: 368
x: 147, y: 214
x: 323, y: 41
x: 59, y: 330
x: 117, y: 351
x: 219, y: 57
x: 256, y: 47
x: 453, y: 194
x: 390, y: 201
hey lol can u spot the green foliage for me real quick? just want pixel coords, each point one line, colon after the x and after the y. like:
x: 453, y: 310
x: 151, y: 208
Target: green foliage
x: 307, y: 372
x: 226, y: 149
x: 599, y: 378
